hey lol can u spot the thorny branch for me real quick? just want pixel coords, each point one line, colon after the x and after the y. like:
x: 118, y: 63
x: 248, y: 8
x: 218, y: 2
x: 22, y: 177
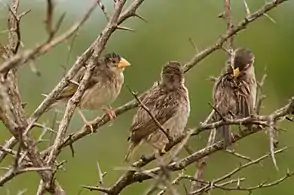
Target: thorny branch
x: 233, y: 172
x: 234, y: 30
x: 132, y: 176
x: 28, y: 158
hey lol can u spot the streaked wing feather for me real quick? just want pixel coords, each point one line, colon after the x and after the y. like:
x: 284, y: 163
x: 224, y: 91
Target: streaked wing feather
x: 68, y: 91
x: 222, y: 100
x: 71, y: 88
x: 161, y: 108
x: 245, y: 107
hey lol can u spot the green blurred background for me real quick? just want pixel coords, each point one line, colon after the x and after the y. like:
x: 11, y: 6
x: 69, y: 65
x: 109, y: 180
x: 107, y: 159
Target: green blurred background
x: 171, y: 23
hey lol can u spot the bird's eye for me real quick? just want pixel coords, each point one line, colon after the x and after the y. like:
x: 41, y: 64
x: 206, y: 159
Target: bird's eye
x: 113, y: 61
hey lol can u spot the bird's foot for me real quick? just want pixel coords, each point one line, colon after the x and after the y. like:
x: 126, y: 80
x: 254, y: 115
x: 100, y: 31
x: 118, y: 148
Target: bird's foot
x: 89, y: 124
x: 86, y: 122
x: 111, y: 114
x: 233, y: 137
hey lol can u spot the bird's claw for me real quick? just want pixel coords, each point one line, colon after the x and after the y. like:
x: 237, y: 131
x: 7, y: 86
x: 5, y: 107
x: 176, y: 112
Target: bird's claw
x: 111, y: 114
x: 233, y: 137
x: 89, y: 124
x: 86, y: 122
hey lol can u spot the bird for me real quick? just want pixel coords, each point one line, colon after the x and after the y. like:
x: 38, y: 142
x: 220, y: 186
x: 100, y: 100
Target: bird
x: 234, y: 93
x: 102, y: 89
x: 168, y: 102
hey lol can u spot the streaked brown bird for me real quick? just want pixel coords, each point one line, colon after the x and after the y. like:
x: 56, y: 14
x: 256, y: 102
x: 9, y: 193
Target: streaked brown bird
x: 234, y: 93
x: 103, y: 87
x: 168, y: 102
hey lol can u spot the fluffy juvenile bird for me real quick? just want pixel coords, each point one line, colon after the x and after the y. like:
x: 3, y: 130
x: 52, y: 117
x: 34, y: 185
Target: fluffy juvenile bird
x: 168, y: 101
x: 234, y: 93
x: 103, y: 87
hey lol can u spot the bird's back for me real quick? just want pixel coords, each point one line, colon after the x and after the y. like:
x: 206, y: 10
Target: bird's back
x: 165, y: 107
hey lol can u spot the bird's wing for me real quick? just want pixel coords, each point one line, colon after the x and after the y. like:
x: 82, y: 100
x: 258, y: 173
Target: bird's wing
x: 245, y: 102
x: 160, y: 105
x: 223, y: 96
x: 224, y: 103
x: 72, y: 87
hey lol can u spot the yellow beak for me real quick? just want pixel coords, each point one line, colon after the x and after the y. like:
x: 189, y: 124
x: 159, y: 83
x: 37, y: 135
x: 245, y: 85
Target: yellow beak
x: 236, y: 72
x: 123, y: 63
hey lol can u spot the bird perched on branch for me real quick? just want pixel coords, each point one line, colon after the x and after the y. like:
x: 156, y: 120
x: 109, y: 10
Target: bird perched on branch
x: 103, y: 86
x: 234, y: 93
x: 168, y: 104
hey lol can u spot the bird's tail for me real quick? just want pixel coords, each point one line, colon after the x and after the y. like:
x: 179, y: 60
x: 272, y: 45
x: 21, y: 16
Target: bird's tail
x: 222, y: 131
x: 225, y: 131
x: 131, y: 150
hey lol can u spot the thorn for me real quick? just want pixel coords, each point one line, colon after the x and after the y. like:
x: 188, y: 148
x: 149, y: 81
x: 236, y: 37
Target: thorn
x: 125, y: 28
x: 102, y: 7
x: 193, y: 45
x: 270, y: 18
x: 212, y: 78
x: 140, y: 17
x: 221, y: 15
x: 246, y: 7
x: 24, y: 13
x: 23, y: 104
x: 34, y: 69
x: 74, y: 82
x: 276, y: 143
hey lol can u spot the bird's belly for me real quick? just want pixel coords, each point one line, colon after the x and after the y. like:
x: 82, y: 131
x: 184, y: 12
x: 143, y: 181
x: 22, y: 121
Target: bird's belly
x: 176, y: 124
x: 175, y: 127
x: 95, y: 99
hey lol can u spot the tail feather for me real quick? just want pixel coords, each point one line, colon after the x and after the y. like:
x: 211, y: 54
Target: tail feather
x: 131, y: 150
x: 225, y: 131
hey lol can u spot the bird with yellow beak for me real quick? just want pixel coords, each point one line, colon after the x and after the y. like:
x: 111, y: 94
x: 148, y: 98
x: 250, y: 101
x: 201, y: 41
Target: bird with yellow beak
x: 103, y: 87
x: 235, y: 98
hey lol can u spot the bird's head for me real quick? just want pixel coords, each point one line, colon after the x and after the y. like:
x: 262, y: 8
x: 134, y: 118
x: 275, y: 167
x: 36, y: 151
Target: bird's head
x: 172, y: 74
x: 115, y: 62
x: 242, y: 61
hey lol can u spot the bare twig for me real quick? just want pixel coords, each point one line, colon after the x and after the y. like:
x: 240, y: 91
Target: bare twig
x: 241, y: 156
x: 31, y: 53
x: 271, y: 134
x: 13, y: 27
x: 260, y: 96
x: 265, y: 184
x: 228, y: 19
x: 230, y: 174
x: 49, y: 19
x: 102, y: 7
x: 246, y: 7
x: 131, y: 176
x: 238, y: 27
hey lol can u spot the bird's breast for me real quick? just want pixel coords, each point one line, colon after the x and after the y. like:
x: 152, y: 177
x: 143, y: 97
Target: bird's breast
x: 101, y: 94
x: 177, y: 123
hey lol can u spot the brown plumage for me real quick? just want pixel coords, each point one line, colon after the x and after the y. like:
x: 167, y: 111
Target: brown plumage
x: 168, y: 101
x: 234, y: 93
x: 103, y: 87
